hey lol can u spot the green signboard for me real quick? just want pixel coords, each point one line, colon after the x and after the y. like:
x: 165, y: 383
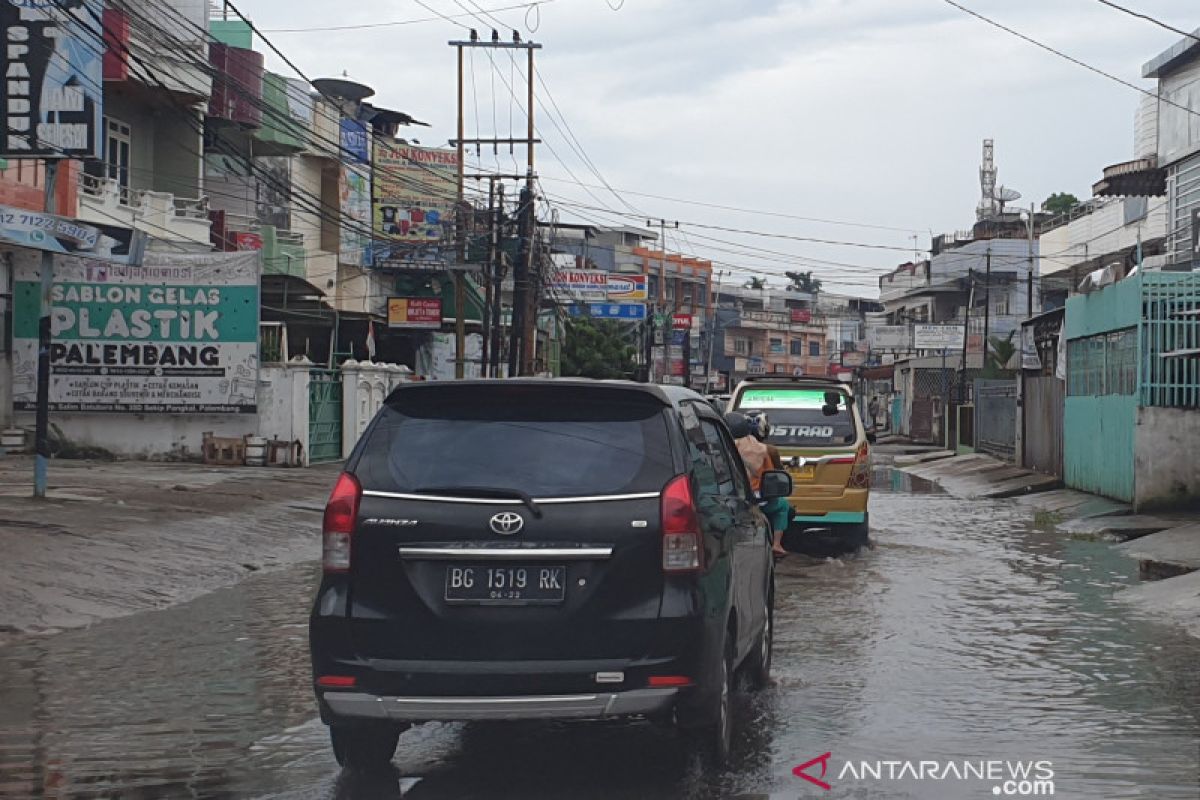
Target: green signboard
x: 178, y: 334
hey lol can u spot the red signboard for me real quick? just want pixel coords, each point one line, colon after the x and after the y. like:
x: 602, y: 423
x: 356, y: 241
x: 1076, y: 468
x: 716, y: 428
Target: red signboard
x: 681, y: 322
x: 243, y: 240
x: 801, y: 315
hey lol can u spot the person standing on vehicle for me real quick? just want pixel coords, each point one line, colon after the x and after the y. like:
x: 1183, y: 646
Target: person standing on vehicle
x: 760, y: 457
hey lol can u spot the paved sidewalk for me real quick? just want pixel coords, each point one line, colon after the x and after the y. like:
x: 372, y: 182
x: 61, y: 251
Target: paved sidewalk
x: 116, y: 538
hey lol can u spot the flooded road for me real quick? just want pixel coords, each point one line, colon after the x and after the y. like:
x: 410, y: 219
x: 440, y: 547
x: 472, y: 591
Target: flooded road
x: 965, y: 635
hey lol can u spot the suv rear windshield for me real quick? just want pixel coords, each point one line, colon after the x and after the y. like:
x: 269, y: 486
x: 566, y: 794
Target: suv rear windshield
x: 543, y: 441
x: 797, y: 416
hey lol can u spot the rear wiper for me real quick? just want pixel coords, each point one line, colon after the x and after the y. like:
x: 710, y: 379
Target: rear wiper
x: 486, y: 491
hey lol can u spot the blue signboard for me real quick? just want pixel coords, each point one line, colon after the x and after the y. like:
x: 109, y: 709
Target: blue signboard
x: 626, y: 311
x: 354, y: 142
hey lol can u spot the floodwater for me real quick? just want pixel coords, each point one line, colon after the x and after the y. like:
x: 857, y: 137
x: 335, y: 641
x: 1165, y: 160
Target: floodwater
x: 964, y: 636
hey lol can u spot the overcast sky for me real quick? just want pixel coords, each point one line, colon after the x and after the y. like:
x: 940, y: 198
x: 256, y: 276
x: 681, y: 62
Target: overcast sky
x: 863, y: 111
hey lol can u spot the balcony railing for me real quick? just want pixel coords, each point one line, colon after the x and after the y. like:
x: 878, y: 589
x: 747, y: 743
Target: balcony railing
x: 161, y: 215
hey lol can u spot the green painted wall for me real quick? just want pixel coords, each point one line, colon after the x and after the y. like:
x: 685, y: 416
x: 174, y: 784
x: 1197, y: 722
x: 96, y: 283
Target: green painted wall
x: 232, y: 32
x: 279, y: 127
x: 1098, y: 444
x: 1110, y: 309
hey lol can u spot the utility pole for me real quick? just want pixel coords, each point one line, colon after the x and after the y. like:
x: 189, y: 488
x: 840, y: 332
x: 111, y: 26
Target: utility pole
x: 525, y: 288
x: 460, y: 289
x: 498, y: 278
x: 1029, y: 287
x: 962, y: 383
x: 489, y: 280
x: 715, y: 305
x: 669, y: 329
x: 41, y: 464
x: 987, y: 303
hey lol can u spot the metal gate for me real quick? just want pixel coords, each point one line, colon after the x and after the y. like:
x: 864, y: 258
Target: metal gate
x: 324, y: 415
x: 996, y: 418
x: 1043, y: 424
x: 922, y: 419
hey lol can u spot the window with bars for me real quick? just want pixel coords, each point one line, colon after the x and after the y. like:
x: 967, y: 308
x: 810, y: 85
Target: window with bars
x: 1103, y: 365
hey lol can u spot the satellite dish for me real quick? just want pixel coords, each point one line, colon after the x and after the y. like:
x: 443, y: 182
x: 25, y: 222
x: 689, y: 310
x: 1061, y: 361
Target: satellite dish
x: 343, y: 88
x: 1003, y: 195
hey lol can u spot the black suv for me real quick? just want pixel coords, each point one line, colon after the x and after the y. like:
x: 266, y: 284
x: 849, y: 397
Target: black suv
x: 536, y: 549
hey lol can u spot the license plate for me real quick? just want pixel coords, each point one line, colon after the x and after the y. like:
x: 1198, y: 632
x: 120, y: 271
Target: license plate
x: 490, y: 584
x: 806, y: 473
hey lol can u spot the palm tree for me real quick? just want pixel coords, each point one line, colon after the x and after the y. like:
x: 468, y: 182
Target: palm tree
x: 803, y: 282
x: 1002, y: 351
x: 757, y: 284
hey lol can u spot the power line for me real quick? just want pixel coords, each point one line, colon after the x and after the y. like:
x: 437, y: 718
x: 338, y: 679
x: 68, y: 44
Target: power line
x: 1150, y: 19
x: 1072, y: 59
x: 770, y: 235
x: 367, y: 25
x: 754, y: 211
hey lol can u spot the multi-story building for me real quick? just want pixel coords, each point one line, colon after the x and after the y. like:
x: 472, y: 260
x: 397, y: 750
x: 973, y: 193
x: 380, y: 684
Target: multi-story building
x: 759, y: 331
x: 151, y: 175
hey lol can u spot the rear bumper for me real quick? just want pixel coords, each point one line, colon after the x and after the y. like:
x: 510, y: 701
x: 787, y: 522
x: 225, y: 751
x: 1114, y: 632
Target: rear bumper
x: 362, y: 706
x: 832, y: 518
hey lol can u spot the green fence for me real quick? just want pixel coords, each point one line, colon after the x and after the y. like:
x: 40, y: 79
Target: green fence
x: 1169, y: 367
x: 324, y: 415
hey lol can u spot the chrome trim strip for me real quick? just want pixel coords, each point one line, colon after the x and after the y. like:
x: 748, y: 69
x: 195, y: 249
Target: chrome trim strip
x: 634, y: 702
x: 506, y: 501
x: 510, y: 701
x: 505, y: 553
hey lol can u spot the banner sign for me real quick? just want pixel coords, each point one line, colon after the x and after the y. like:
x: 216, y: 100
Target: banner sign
x: 938, y: 337
x: 414, y: 312
x: 354, y: 202
x: 889, y: 337
x: 597, y: 286
x: 415, y: 189
x: 581, y: 285
x: 626, y: 311
x: 176, y: 335
x: 801, y: 315
x: 354, y: 142
x: 53, y: 78
x: 43, y: 231
x: 681, y: 322
x: 624, y: 288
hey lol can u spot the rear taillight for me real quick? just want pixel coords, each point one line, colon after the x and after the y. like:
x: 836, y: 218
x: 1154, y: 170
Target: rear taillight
x: 860, y: 473
x: 683, y: 546
x: 337, y: 533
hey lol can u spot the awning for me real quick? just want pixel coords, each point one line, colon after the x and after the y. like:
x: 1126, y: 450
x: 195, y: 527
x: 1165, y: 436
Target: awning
x: 877, y: 373
x: 1141, y: 177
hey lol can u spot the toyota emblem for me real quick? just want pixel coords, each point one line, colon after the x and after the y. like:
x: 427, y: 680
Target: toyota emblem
x: 506, y: 523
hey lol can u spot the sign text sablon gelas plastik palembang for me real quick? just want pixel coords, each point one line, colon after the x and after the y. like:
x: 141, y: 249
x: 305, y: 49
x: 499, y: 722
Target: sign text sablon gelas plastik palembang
x: 178, y: 334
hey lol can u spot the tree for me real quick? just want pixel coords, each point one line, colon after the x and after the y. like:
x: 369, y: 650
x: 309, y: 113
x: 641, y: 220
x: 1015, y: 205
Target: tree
x: 1000, y: 352
x: 803, y: 282
x: 757, y: 284
x: 600, y: 349
x: 1060, y: 203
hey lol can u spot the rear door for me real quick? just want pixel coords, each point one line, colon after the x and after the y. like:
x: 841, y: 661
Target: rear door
x: 817, y: 447
x: 510, y: 522
x: 751, y: 534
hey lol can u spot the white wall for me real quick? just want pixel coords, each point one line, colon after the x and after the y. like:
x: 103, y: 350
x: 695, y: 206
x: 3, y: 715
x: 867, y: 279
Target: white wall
x: 1179, y: 130
x: 282, y: 414
x: 1102, y: 232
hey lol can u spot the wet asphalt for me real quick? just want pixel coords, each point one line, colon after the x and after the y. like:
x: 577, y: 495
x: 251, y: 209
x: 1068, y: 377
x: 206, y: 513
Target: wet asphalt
x: 965, y: 634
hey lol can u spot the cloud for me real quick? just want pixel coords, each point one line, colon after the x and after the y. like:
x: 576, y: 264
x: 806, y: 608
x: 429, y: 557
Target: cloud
x: 858, y: 110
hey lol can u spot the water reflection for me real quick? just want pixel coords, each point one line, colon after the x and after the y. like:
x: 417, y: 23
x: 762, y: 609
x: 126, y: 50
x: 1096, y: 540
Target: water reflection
x: 963, y: 634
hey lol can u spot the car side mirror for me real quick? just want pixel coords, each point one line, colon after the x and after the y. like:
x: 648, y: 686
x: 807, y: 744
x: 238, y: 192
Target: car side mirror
x: 871, y: 437
x: 775, y: 484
